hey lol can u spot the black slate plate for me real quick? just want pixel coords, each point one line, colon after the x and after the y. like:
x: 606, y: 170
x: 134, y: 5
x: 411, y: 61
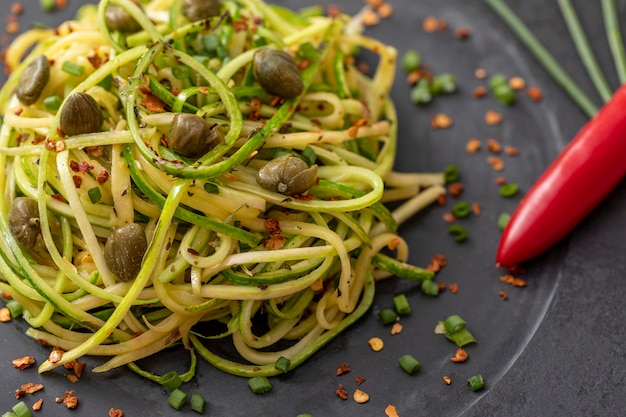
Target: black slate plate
x: 554, y: 348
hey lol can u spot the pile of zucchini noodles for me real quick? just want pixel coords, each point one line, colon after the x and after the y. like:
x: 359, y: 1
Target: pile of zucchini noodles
x: 206, y: 221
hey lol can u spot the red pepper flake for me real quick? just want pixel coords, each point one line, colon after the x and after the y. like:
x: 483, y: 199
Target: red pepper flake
x: 153, y: 104
x: 460, y: 356
x: 500, y: 181
x: 37, y: 404
x: 496, y: 163
x: 441, y: 121
x: 72, y: 378
x: 60, y: 3
x: 494, y: 146
x: 479, y: 92
x: 473, y: 145
x: 359, y: 380
x: 503, y: 295
x: 517, y: 83
x: 343, y: 368
x: 17, y: 8
x: 454, y: 288
x: 493, y: 118
x: 68, y: 399
x: 5, y: 315
x: 476, y: 208
x: 396, y: 328
x: 28, y: 388
x: 442, y: 286
x: 341, y: 392
x: 103, y: 176
x: 448, y: 217
x: 38, y: 139
x: 18, y: 111
x: 96, y: 60
x: 55, y: 355
x: 333, y: 11
x: 304, y: 64
x: 511, y: 151
x: 203, y: 90
x: 480, y: 73
x: 437, y: 262
x: 23, y: 362
x: 255, y: 104
x: 462, y: 33
x: 78, y: 181
x: 442, y: 199
x: 58, y: 197
x: 447, y: 380
x: 535, y: 93
x: 115, y: 412
x: 455, y: 189
x: 391, y: 411
x: 510, y: 279
x: 430, y: 24
x: 385, y: 10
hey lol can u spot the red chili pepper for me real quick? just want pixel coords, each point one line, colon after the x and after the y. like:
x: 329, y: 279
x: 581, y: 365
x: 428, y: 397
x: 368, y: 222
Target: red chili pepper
x: 583, y: 174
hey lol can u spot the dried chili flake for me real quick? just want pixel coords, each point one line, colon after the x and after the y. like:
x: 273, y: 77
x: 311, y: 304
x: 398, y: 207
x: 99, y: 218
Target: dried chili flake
x: 393, y: 243
x: 517, y: 83
x: 103, y: 176
x: 17, y: 8
x: 28, y: 388
x: 535, y: 93
x: 115, y: 412
x: 78, y: 181
x: 494, y: 146
x: 447, y: 380
x: 500, y: 181
x: 437, y: 262
x: 55, y: 355
x: 359, y: 380
x: 460, y: 355
x: 5, y: 315
x: 462, y: 33
x: 37, y: 404
x: 396, y: 328
x: 442, y: 286
x: 480, y: 73
x: 454, y: 288
x: 343, y: 368
x: 455, y: 189
x: 493, y: 118
x: 441, y: 121
x: 442, y: 199
x: 479, y: 92
x: 430, y: 24
x: 275, y: 241
x: 72, y: 378
x: 341, y: 392
x: 374, y: 3
x: 503, y: 295
x: 360, y: 397
x: 68, y: 399
x: 391, y: 411
x: 153, y: 104
x: 333, y: 11
x: 476, y: 208
x: 60, y: 4
x: 23, y: 362
x: 496, y: 163
x: 448, y: 217
x: 473, y: 145
x: 385, y: 10
x: 511, y: 151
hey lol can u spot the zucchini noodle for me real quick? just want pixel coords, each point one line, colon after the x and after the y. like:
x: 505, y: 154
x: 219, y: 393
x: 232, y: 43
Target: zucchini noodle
x: 274, y: 274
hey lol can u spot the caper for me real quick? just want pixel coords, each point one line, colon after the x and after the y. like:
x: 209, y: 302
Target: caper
x: 200, y: 9
x: 33, y: 80
x: 277, y: 72
x: 192, y: 137
x: 24, y: 221
x: 117, y: 18
x: 288, y: 175
x: 124, y: 251
x: 80, y: 114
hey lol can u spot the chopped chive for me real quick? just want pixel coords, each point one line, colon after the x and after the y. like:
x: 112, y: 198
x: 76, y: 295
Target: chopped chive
x: 94, y: 195
x: 211, y: 188
x: 52, y: 103
x: 461, y: 338
x: 210, y: 42
x: 177, y: 399
x: 496, y: 80
x: 73, y: 68
x: 509, y: 190
x: 15, y: 308
x: 8, y: 414
x: 402, y: 305
x: 107, y: 82
x: 171, y: 381
x: 476, y: 382
x: 459, y: 232
x: 420, y: 93
x: 443, y: 84
x: 503, y: 220
x: 504, y: 94
x: 454, y: 323
x: 613, y: 33
x: 430, y: 288
x: 387, y: 316
x: 259, y: 384
x: 47, y: 5
x: 409, y: 364
x: 451, y: 173
x: 305, y: 415
x: 282, y: 364
x: 411, y: 60
x: 197, y: 403
x: 21, y: 410
x: 309, y: 155
x: 461, y: 209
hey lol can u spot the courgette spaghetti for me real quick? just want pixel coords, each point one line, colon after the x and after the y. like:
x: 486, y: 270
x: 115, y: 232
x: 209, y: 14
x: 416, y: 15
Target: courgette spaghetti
x: 220, y: 247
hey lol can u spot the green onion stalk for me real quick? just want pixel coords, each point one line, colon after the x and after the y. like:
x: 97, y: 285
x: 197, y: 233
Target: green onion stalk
x: 218, y: 246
